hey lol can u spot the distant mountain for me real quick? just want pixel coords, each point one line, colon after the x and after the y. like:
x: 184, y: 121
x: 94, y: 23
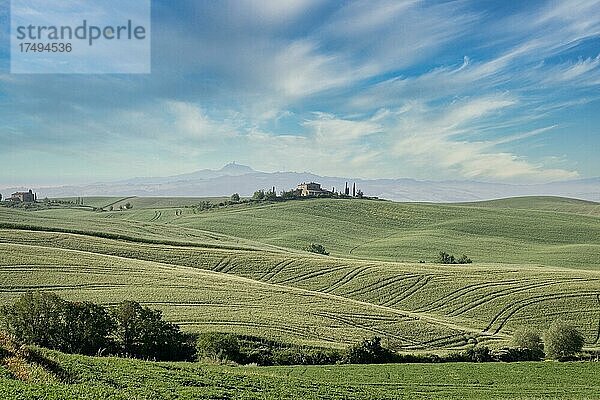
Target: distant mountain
x: 237, y: 178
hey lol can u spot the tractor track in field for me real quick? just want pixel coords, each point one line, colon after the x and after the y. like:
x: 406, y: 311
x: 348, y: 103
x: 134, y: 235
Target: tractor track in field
x: 276, y: 269
x: 511, y: 309
x: 507, y: 292
x: 380, y: 284
x: 414, y: 288
x: 457, y: 293
x: 346, y: 278
x: 157, y: 216
x: 371, y: 329
x: 598, y: 332
x: 310, y: 275
x: 445, y: 340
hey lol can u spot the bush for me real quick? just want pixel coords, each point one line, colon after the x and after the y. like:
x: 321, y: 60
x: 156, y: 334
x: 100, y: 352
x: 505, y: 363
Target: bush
x: 562, y: 341
x: 368, y: 351
x: 44, y: 319
x: 479, y: 354
x: 235, y: 197
x: 317, y: 248
x: 218, y: 346
x: 141, y: 332
x: 529, y: 339
x: 445, y: 258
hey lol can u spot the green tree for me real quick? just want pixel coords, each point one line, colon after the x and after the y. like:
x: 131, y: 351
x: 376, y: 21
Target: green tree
x: 316, y: 248
x: 35, y: 318
x: 464, y: 260
x: 527, y: 338
x: 218, y: 346
x: 44, y: 319
x: 259, y: 195
x: 270, y: 195
x: 562, y: 341
x: 235, y: 197
x: 89, y: 328
x: 368, y: 351
x: 141, y: 332
x: 445, y: 258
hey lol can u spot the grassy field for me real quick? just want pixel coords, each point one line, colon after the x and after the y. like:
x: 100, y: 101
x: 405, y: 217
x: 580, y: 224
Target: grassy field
x: 242, y: 269
x: 111, y: 378
x: 412, y: 232
x: 313, y: 299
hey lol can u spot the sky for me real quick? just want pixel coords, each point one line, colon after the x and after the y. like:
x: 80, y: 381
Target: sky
x: 494, y: 91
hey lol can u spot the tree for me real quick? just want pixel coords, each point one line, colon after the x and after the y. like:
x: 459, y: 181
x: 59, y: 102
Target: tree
x: 445, y: 258
x: 44, y: 319
x: 464, y: 260
x: 35, y: 318
x: 235, y: 197
x: 317, y: 248
x: 89, y: 328
x: 562, y: 341
x: 270, y: 195
x: 368, y: 351
x: 0, y: 196
x: 128, y: 206
x: 259, y: 195
x: 527, y: 338
x: 141, y: 332
x: 218, y: 346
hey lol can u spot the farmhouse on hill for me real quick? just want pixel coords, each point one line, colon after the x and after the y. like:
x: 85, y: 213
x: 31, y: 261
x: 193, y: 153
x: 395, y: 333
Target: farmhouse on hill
x: 24, y: 197
x: 311, y: 189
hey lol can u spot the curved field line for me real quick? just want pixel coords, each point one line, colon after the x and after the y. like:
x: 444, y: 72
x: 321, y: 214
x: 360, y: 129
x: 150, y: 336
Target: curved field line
x: 310, y: 275
x: 419, y: 284
x: 366, y: 328
x: 278, y: 267
x: 282, y: 267
x: 444, y: 341
x: 223, y: 262
x: 457, y: 293
x: 346, y: 278
x: 118, y: 201
x: 598, y: 333
x: 25, y: 288
x: 379, y: 284
x: 520, y: 304
x: 286, y: 329
x: 507, y: 292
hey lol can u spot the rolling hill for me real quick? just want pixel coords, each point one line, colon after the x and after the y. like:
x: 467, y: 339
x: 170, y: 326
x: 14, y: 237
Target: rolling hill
x: 242, y: 269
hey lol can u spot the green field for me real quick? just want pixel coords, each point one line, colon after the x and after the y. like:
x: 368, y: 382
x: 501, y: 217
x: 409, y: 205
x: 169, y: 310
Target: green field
x: 241, y: 269
x: 112, y: 378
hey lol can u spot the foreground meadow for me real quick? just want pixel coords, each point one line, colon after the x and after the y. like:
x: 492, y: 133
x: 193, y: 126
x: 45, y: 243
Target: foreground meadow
x: 111, y: 378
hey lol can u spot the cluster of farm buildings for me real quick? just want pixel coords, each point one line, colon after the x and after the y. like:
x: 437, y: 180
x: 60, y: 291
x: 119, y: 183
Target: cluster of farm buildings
x: 315, y: 189
x: 22, y: 197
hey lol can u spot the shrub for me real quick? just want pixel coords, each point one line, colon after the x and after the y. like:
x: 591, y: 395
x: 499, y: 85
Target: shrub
x: 464, y: 260
x: 35, y: 318
x: 317, y: 248
x: 445, y: 258
x: 141, y: 332
x: 235, y: 197
x: 368, y: 351
x: 258, y: 195
x: 562, y: 341
x: 479, y: 354
x: 44, y: 319
x: 218, y: 346
x: 528, y: 339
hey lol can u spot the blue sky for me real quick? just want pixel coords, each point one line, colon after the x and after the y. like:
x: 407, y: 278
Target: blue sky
x: 480, y: 90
